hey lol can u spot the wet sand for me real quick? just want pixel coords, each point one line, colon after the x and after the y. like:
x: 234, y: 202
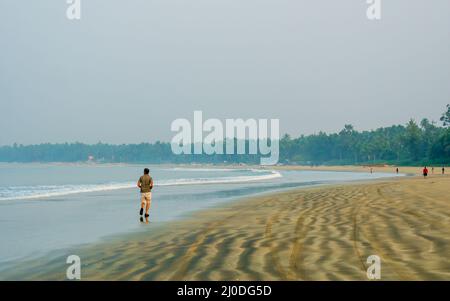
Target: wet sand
x: 321, y: 233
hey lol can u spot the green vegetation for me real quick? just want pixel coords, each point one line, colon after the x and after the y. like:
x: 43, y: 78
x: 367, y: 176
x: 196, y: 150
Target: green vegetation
x: 412, y: 144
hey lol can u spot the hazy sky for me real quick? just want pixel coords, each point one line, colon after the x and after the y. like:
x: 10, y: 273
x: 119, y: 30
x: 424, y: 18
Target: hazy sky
x: 127, y: 69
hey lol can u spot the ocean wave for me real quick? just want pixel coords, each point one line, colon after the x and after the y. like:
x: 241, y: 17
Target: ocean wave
x: 220, y: 180
x: 205, y: 169
x: 47, y: 191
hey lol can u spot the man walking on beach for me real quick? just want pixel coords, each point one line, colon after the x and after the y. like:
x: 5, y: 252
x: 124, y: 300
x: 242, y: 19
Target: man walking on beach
x: 145, y: 183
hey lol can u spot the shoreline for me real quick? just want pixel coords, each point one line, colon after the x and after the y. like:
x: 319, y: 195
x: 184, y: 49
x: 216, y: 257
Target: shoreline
x: 92, y: 217
x: 115, y: 237
x: 311, y: 233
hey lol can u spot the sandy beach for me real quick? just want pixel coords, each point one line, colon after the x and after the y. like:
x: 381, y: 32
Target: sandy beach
x: 411, y: 170
x: 320, y: 233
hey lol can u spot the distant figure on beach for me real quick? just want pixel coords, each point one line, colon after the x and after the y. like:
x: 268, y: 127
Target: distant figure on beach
x: 432, y: 170
x: 443, y: 170
x: 396, y: 170
x: 145, y: 183
x: 425, y: 172
x: 371, y: 170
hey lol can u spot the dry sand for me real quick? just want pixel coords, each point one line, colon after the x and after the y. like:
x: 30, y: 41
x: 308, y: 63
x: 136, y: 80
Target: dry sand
x: 413, y: 170
x: 322, y: 233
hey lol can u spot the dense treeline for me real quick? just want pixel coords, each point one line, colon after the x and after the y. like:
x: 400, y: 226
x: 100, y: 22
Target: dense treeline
x: 403, y: 145
x: 423, y: 143
x: 157, y: 153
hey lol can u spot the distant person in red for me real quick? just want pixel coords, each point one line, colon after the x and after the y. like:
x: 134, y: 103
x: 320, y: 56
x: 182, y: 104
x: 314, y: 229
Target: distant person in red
x: 425, y: 172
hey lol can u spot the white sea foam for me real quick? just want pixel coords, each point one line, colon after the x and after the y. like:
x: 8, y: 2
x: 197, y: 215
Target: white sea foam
x: 202, y: 169
x: 220, y: 180
x: 47, y: 191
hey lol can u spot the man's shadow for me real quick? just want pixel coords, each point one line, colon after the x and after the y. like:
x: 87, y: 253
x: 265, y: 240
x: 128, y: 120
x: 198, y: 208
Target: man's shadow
x: 144, y: 221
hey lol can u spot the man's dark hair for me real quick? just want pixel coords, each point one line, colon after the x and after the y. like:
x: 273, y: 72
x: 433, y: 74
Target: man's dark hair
x: 146, y: 171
